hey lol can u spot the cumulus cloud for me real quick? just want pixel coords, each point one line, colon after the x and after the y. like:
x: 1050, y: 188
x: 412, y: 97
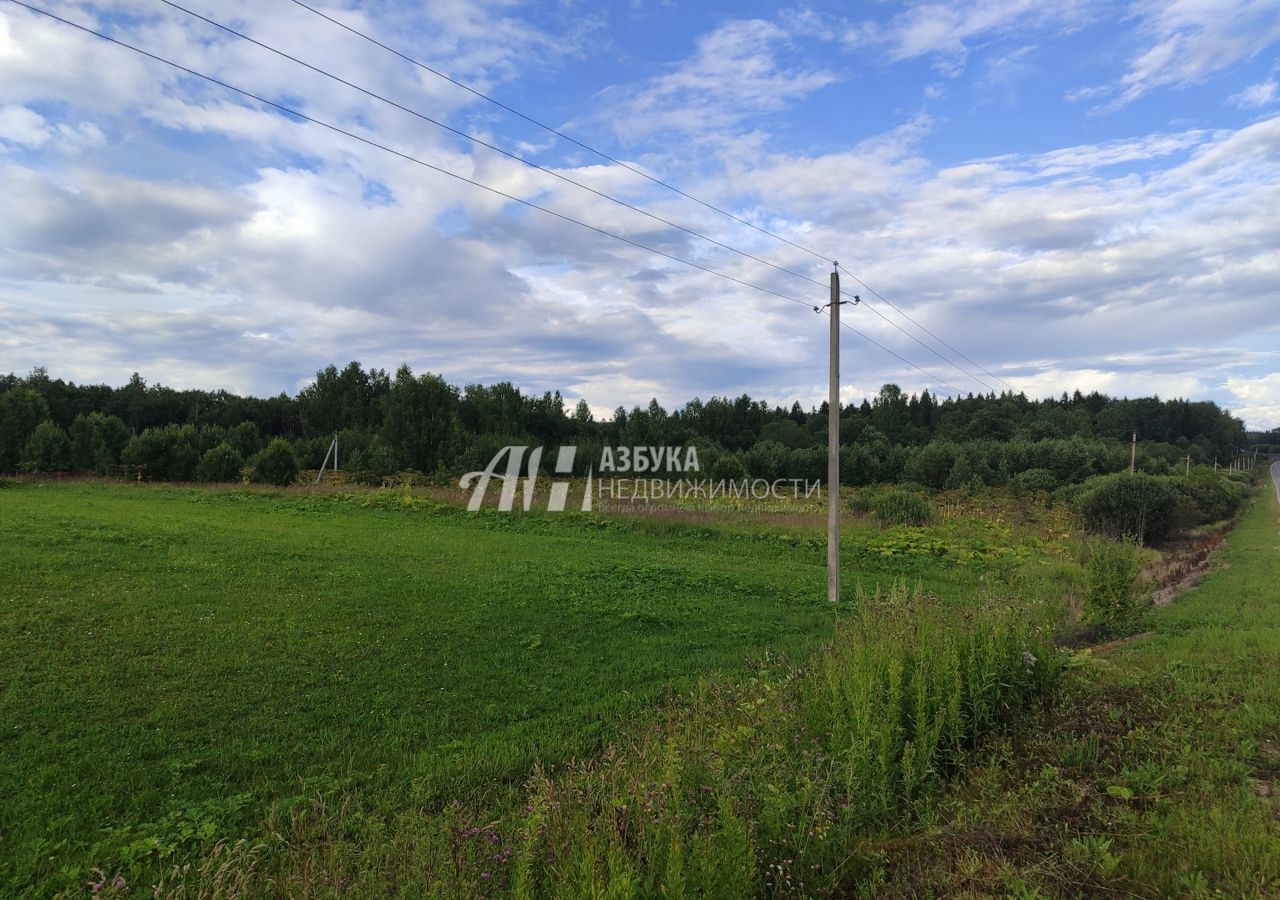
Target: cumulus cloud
x: 1258, y: 399
x: 207, y: 241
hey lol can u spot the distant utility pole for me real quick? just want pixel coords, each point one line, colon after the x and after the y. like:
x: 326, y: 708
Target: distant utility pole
x: 332, y: 451
x: 1215, y: 464
x: 1188, y: 463
x: 833, y: 444
x: 1133, y: 452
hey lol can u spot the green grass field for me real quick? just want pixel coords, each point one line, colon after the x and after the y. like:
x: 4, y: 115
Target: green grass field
x: 1155, y: 772
x: 176, y: 660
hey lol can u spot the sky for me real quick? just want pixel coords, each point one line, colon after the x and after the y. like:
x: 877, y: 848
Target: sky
x: 1076, y: 195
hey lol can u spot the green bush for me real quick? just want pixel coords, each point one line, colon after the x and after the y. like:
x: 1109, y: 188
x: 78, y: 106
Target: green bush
x: 169, y: 453
x: 220, y: 464
x: 1137, y: 506
x: 1209, y: 497
x: 728, y: 467
x: 47, y: 450
x: 1113, y: 599
x: 275, y: 464
x: 245, y: 439
x: 900, y: 507
x: 1036, y: 480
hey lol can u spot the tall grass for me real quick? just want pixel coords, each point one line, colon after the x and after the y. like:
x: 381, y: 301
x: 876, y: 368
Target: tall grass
x: 765, y: 786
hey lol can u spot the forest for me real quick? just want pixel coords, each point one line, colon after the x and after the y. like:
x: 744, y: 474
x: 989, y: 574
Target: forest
x: 420, y: 423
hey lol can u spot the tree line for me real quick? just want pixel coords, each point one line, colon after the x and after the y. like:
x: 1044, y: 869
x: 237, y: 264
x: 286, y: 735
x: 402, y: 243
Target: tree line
x: 389, y: 423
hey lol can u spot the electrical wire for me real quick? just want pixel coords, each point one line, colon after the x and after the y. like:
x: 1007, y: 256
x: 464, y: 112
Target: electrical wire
x: 614, y: 160
x: 288, y: 111
x: 902, y: 313
x: 903, y: 359
x: 557, y: 132
x: 405, y: 156
x: 483, y: 143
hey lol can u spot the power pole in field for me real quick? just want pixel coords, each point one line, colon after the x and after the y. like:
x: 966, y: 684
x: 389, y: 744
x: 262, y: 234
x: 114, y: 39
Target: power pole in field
x: 833, y: 445
x: 833, y: 439
x: 333, y: 450
x: 1133, y: 452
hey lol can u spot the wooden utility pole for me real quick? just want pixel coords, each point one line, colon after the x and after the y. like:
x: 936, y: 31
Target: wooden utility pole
x: 833, y: 445
x: 1188, y: 463
x: 1133, y: 452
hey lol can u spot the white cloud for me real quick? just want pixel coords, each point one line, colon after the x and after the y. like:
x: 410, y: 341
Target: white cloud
x: 22, y: 126
x: 736, y: 73
x: 947, y: 32
x: 1257, y: 400
x: 213, y: 242
x: 1258, y: 95
x: 1186, y: 41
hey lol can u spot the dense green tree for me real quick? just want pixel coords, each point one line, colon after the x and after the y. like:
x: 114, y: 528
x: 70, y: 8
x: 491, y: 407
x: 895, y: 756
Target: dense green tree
x: 21, y: 411
x: 421, y: 424
x: 48, y: 450
x: 97, y: 442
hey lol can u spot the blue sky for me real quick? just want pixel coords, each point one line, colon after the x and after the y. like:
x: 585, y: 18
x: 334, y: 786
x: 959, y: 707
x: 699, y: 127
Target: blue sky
x: 1074, y: 195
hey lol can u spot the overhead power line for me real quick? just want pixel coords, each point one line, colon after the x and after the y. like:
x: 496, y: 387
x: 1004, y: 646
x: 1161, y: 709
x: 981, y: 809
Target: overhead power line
x: 486, y: 144
x: 927, y: 331
x: 289, y: 111
x: 402, y: 155
x: 533, y: 165
x: 826, y: 257
x: 560, y: 134
x: 935, y: 378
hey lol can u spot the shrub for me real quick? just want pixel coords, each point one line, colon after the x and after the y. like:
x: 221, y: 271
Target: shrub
x: 900, y: 507
x: 1208, y: 497
x: 1113, y: 599
x: 220, y: 464
x: 47, y: 450
x: 728, y: 467
x: 1122, y: 505
x: 376, y: 459
x: 1036, y: 480
x: 768, y: 460
x: 169, y: 453
x: 245, y: 439
x: 275, y: 464
x: 933, y: 464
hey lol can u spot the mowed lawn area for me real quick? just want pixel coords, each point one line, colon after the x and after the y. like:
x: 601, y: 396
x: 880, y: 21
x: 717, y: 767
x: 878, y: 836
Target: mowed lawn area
x: 173, y: 659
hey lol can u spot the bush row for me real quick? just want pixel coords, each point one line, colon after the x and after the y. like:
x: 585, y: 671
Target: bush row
x: 99, y: 444
x: 1150, y: 507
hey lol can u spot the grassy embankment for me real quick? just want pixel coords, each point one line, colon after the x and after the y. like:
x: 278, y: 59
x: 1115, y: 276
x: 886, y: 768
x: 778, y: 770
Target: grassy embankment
x: 1155, y: 773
